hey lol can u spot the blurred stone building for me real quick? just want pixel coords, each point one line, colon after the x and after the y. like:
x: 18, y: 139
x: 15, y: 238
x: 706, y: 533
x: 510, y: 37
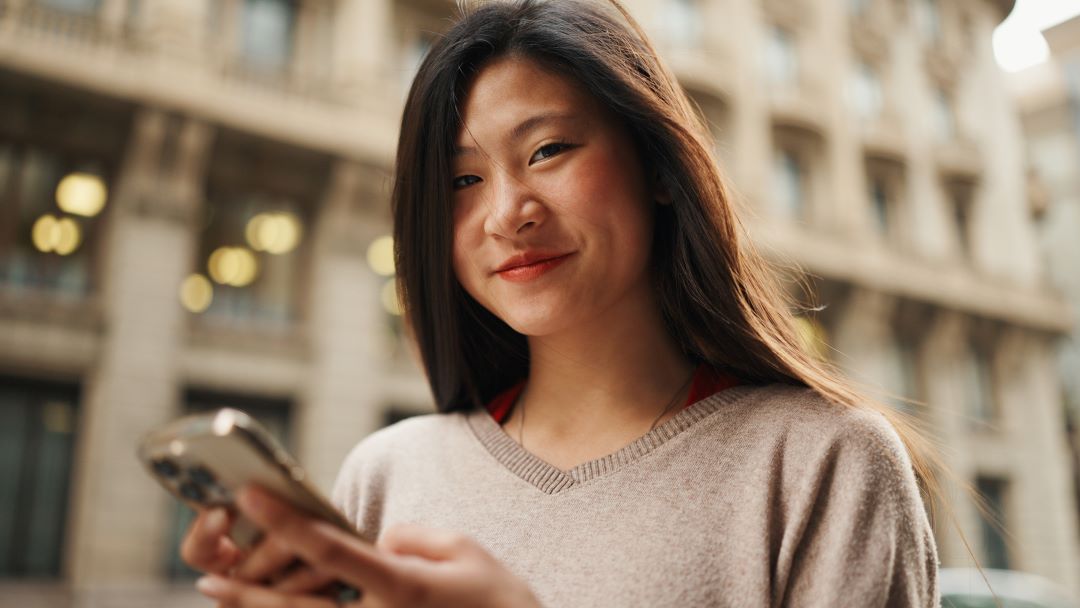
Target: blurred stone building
x: 194, y: 200
x: 1048, y: 96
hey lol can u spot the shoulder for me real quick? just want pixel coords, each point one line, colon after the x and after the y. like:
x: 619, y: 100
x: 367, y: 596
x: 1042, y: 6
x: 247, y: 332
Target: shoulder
x: 368, y: 468
x: 408, y: 436
x: 801, y: 419
x: 805, y: 443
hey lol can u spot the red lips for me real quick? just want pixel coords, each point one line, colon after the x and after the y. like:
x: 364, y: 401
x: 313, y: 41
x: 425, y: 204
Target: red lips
x: 530, y: 265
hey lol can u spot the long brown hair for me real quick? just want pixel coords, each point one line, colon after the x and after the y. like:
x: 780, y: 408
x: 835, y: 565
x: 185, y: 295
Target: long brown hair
x: 720, y: 299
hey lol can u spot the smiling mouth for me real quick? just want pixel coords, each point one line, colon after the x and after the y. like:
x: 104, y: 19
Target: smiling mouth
x: 532, y: 270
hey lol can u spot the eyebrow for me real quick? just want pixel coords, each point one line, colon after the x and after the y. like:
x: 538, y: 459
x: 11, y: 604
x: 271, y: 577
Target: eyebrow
x: 523, y: 128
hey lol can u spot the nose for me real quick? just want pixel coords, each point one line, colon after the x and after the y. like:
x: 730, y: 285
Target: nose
x: 514, y: 209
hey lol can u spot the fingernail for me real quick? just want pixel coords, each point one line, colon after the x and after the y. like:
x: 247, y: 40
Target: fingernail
x: 212, y: 585
x: 249, y: 500
x: 216, y: 520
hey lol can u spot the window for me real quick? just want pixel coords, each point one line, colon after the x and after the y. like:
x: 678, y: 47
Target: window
x: 858, y: 7
x: 995, y: 550
x: 267, y: 33
x: 781, y: 58
x: 50, y: 206
x: 979, y: 386
x: 254, y: 265
x: 960, y: 195
x: 37, y: 428
x: 944, y: 116
x: 904, y: 380
x: 885, y: 192
x: 789, y: 184
x: 416, y: 49
x: 866, y: 92
x: 274, y: 414
x: 684, y: 22
x: 716, y: 115
x: 254, y: 239
x: 82, y: 7
x: 928, y: 19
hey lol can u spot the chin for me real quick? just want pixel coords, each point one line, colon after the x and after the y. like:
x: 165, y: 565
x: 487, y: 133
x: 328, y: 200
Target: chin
x: 535, y: 320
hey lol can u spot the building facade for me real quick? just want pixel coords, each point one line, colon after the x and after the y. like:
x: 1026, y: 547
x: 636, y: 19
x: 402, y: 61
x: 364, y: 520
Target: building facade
x: 195, y: 205
x: 1048, y: 96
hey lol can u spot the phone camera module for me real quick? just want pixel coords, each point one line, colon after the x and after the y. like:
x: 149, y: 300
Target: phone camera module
x: 192, y: 491
x: 202, y: 476
x: 165, y: 468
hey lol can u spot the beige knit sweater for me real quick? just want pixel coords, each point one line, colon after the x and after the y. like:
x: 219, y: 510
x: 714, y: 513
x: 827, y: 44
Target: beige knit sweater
x: 756, y: 496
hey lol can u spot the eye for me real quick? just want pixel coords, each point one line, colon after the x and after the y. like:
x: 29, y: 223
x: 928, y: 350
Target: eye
x: 464, y: 181
x: 547, y: 151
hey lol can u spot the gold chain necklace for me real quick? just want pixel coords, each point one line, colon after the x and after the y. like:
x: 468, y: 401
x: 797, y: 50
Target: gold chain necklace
x: 674, y: 399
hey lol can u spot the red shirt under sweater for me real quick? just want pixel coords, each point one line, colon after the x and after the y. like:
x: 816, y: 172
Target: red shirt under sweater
x: 707, y: 381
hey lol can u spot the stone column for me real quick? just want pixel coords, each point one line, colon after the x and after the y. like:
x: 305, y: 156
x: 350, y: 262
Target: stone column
x: 1040, y: 497
x: 944, y: 353
x: 363, y: 44
x: 342, y: 402
x: 863, y: 336
x: 117, y: 535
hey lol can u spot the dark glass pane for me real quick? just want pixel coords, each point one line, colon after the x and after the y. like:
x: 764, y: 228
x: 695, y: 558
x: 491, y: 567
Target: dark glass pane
x: 268, y: 32
x: 37, y: 423
x: 995, y: 551
x: 46, y: 521
x: 12, y: 444
x: 85, y: 7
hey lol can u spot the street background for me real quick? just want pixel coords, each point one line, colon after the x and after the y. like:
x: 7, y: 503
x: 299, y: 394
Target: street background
x: 194, y: 213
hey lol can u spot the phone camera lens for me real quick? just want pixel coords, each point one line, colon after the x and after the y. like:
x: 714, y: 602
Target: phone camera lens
x: 192, y: 491
x: 165, y: 468
x: 202, y: 476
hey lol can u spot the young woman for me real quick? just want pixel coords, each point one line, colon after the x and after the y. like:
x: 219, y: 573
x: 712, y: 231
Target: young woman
x: 627, y: 417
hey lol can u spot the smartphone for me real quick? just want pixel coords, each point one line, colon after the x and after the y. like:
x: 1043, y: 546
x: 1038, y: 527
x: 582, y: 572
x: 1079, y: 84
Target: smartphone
x: 205, y: 459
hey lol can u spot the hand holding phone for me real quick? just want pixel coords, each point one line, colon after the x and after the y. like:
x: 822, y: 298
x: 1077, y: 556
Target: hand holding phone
x: 204, y: 460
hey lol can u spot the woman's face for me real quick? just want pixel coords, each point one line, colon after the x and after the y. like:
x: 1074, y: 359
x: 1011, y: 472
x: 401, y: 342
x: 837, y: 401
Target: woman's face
x: 552, y: 213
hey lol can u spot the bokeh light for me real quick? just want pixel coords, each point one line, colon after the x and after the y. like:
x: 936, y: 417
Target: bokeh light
x: 390, y: 299
x: 81, y: 194
x: 196, y: 293
x: 52, y: 234
x: 380, y: 255
x: 273, y: 232
x: 234, y: 266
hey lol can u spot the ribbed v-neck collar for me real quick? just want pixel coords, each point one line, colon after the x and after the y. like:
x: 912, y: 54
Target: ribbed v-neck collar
x: 550, y: 479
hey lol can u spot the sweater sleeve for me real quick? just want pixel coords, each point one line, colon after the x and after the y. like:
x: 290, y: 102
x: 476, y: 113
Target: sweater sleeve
x: 863, y: 538
x: 359, y: 489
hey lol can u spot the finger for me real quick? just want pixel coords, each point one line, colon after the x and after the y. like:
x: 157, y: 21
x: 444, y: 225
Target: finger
x: 236, y: 594
x: 321, y: 545
x: 421, y: 541
x: 269, y: 558
x: 206, y: 546
x: 303, y: 580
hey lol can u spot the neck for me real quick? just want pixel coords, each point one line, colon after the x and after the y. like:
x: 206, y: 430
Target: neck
x: 609, y: 377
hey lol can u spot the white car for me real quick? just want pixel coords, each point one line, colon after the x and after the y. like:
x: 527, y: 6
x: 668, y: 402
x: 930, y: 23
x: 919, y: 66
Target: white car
x: 966, y: 588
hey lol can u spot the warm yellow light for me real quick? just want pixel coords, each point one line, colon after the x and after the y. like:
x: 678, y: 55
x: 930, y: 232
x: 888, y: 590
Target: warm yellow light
x: 61, y: 235
x: 196, y: 293
x: 380, y: 255
x: 276, y: 232
x: 812, y: 335
x: 45, y: 233
x: 81, y: 194
x: 234, y: 266
x: 390, y: 298
x: 69, y: 236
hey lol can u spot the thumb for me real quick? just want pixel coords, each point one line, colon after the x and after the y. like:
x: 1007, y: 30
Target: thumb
x: 422, y: 541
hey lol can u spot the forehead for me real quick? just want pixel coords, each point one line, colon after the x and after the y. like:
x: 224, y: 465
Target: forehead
x: 512, y: 89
